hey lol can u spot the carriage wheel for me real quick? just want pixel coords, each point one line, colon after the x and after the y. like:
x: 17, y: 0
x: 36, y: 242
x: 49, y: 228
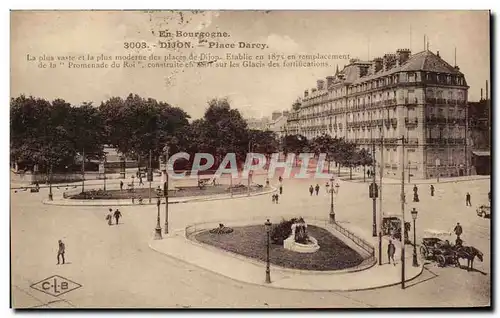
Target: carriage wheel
x: 423, y: 252
x: 441, y: 260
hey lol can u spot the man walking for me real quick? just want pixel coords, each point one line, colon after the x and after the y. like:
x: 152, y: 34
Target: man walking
x: 467, y: 199
x: 432, y: 190
x: 317, y: 189
x: 117, y: 215
x: 277, y: 198
x: 121, y: 185
x: 60, y: 252
x: 458, y: 230
x: 140, y: 179
x: 327, y: 187
x: 281, y: 188
x: 391, y: 250
x: 311, y: 189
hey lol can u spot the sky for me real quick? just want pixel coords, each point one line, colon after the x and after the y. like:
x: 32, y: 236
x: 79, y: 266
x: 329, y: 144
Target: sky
x: 255, y: 91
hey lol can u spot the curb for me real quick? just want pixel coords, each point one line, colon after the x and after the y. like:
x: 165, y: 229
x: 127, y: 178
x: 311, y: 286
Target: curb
x: 279, y: 287
x: 192, y: 240
x: 103, y: 203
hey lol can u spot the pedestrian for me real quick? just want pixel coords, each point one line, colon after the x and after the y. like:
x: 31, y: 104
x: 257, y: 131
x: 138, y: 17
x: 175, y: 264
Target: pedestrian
x: 280, y: 179
x: 391, y: 250
x: 140, y: 180
x: 267, y: 182
x: 140, y: 199
x: 281, y: 189
x: 467, y: 199
x: 327, y: 187
x: 117, y: 215
x: 277, y: 197
x: 109, y: 216
x: 60, y: 252
x: 317, y: 189
x: 273, y: 198
x: 432, y: 190
x: 133, y: 199
x: 311, y: 189
x: 458, y: 230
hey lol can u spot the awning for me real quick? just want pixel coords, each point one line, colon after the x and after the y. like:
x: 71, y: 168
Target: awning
x: 485, y: 153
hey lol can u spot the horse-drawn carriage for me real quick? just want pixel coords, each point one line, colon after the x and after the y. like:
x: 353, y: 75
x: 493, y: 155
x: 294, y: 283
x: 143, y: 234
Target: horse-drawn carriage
x: 436, y: 246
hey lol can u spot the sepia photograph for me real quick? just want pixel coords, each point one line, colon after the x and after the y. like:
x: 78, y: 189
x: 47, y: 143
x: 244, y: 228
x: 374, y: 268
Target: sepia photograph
x: 279, y: 159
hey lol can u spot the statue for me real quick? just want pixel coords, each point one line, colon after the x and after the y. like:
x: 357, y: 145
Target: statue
x: 299, y: 240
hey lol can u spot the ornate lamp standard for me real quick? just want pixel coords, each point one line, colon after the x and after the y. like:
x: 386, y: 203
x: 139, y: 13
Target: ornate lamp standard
x: 166, y: 149
x: 414, y: 216
x: 334, y: 189
x: 158, y: 226
x: 268, y: 268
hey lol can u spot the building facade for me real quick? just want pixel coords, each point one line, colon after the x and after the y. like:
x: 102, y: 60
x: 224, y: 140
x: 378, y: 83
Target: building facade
x: 419, y: 97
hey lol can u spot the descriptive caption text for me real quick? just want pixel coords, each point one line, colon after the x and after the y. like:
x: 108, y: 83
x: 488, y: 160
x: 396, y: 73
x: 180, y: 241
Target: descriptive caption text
x: 188, y: 60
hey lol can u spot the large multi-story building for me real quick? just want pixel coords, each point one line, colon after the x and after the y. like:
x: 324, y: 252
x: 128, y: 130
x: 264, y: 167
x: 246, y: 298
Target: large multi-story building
x: 419, y: 96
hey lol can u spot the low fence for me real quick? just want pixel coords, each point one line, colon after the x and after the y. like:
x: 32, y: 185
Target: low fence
x: 356, y: 239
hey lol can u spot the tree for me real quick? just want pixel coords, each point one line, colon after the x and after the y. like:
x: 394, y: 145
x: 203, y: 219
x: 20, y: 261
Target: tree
x: 42, y: 133
x: 295, y: 144
x: 363, y: 158
x: 221, y: 130
x: 136, y: 126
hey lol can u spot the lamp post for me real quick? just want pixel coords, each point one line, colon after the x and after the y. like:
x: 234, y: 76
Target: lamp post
x: 414, y: 216
x: 268, y: 234
x: 51, y: 197
x: 165, y: 187
x: 332, y: 191
x: 158, y: 226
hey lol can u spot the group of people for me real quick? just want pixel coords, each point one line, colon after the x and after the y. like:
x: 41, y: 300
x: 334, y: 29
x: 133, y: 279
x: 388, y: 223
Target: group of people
x: 316, y: 188
x: 275, y: 196
x: 117, y: 215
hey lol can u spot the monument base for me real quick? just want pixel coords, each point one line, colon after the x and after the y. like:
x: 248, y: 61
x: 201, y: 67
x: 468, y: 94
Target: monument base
x: 291, y: 245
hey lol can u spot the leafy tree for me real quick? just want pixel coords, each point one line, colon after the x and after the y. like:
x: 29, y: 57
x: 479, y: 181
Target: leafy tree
x: 363, y: 158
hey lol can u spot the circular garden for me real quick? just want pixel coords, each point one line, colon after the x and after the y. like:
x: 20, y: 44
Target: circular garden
x: 177, y: 192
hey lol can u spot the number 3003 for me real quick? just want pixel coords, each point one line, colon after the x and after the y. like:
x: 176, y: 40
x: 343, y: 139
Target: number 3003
x: 135, y: 45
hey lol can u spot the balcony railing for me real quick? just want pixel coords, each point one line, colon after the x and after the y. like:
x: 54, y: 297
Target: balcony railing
x: 411, y: 123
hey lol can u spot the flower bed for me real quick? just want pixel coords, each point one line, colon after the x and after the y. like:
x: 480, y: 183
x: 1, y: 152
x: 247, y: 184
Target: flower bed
x: 251, y: 241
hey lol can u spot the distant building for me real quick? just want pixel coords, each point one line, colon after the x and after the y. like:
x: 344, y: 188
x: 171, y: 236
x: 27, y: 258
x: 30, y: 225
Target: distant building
x: 278, y: 123
x: 418, y: 96
x: 258, y: 123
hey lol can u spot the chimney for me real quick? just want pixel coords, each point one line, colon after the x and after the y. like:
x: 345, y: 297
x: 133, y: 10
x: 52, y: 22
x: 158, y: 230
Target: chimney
x: 377, y: 64
x: 403, y: 55
x: 329, y: 81
x: 481, y: 94
x: 437, y: 53
x: 363, y: 70
x: 313, y: 90
x: 306, y: 93
x: 320, y: 84
x: 389, y: 61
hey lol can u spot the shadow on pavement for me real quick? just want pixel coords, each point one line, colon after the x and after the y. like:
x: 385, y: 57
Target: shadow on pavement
x: 417, y: 281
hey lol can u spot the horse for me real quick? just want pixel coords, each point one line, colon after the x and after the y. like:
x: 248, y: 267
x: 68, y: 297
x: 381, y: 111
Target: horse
x: 468, y: 253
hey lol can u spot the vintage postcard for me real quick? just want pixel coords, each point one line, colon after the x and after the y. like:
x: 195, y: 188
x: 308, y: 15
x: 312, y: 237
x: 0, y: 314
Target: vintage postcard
x: 250, y: 159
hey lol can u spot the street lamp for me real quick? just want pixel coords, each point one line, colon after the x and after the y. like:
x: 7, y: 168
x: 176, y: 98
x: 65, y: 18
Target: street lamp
x: 268, y: 233
x: 334, y: 189
x: 51, y: 197
x: 414, y: 216
x: 158, y: 226
x: 166, y: 149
